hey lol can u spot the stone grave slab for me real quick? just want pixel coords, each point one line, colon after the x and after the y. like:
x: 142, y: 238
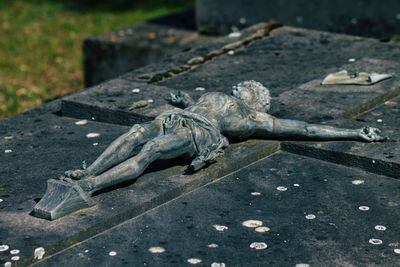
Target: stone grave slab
x: 290, y: 58
x: 109, y: 55
x: 291, y: 62
x: 39, y: 145
x: 315, y: 212
x: 381, y: 158
x: 111, y: 101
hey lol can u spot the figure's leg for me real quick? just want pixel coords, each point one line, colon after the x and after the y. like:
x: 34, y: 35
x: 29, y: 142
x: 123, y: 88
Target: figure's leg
x: 119, y: 150
x: 162, y: 147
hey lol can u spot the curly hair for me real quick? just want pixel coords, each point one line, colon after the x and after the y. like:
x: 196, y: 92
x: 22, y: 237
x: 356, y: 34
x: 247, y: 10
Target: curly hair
x: 253, y: 94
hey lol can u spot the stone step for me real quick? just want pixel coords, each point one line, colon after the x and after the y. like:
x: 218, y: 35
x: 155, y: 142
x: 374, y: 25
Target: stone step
x: 314, y: 212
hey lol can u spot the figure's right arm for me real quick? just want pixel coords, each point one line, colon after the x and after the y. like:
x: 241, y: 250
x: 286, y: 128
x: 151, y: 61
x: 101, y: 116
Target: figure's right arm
x: 182, y: 99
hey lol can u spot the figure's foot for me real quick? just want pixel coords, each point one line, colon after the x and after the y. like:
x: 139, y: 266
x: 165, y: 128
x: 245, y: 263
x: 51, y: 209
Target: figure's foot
x: 62, y: 198
x: 76, y: 174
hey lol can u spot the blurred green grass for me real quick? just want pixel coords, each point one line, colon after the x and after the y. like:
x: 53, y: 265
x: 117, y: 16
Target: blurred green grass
x: 41, y: 43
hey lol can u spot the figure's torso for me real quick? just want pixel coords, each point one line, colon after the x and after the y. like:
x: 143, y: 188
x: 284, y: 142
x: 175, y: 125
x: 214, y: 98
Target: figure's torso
x: 226, y: 112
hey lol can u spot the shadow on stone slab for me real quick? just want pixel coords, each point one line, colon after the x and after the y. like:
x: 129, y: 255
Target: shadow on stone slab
x: 61, y: 198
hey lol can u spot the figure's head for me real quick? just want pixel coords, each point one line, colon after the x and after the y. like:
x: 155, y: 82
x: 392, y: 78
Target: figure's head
x: 253, y: 94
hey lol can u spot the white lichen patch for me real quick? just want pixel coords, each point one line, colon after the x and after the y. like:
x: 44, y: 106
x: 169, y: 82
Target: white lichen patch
x: 252, y: 223
x: 380, y: 228
x: 15, y: 258
x: 199, y: 89
x: 363, y: 208
x: 310, y: 216
x: 39, y: 253
x: 7, y: 151
x: 375, y: 241
x: 112, y: 253
x: 4, y: 247
x: 194, y: 260
x: 217, y: 264
x: 235, y: 34
x: 136, y: 90
x: 262, y: 229
x: 281, y: 188
x: 255, y: 193
x: 92, y: 135
x: 220, y: 227
x: 212, y: 245
x: 397, y: 251
x: 258, y: 245
x: 14, y: 251
x: 81, y: 122
x: 157, y: 250
x: 357, y: 182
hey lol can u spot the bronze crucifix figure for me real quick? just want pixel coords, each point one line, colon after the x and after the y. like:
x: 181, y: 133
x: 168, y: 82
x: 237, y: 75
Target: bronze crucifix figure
x: 199, y: 131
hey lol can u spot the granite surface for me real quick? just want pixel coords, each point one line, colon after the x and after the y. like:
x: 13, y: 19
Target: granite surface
x: 277, y: 182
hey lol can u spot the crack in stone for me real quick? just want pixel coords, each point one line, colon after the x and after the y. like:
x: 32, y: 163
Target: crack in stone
x: 260, y: 32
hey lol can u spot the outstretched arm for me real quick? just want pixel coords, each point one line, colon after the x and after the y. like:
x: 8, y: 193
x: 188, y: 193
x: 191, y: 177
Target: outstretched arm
x: 268, y: 125
x: 181, y: 99
x: 305, y: 130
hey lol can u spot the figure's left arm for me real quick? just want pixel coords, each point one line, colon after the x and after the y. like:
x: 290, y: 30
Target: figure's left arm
x: 274, y: 127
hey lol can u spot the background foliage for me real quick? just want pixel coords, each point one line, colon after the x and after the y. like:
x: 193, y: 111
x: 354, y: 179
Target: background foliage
x: 41, y: 43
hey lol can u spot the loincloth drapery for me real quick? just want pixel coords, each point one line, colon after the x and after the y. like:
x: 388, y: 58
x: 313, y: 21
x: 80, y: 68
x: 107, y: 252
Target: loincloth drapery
x: 207, y: 140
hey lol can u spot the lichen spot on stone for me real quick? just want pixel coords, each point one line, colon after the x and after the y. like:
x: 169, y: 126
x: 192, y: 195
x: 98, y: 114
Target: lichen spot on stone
x: 194, y: 260
x: 39, y: 253
x: 262, y: 229
x: 258, y: 245
x: 375, y: 241
x: 112, y: 253
x: 220, y: 227
x: 157, y: 250
x: 380, y: 228
x: 81, y: 122
x: 363, y: 208
x: 92, y: 135
x: 252, y: 223
x: 310, y: 217
x: 14, y: 251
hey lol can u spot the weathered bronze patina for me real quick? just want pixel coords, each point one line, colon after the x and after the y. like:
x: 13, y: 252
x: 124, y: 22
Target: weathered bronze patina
x: 199, y: 131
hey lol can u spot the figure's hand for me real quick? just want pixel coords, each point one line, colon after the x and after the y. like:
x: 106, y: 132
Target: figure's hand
x: 76, y: 174
x: 370, y: 134
x: 181, y: 99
